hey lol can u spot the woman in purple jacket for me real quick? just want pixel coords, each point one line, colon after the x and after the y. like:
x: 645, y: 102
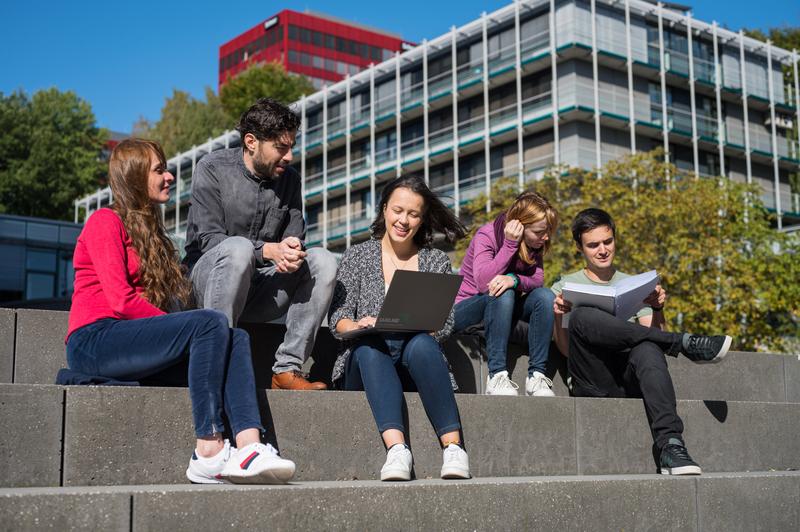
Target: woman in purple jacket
x: 503, y: 282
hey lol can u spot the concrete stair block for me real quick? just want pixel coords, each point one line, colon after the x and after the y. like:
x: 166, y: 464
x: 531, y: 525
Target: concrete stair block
x: 30, y: 448
x: 8, y: 325
x: 791, y: 364
x: 39, y: 348
x: 722, y: 501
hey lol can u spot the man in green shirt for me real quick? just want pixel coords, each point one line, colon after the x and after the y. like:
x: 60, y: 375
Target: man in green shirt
x: 611, y: 357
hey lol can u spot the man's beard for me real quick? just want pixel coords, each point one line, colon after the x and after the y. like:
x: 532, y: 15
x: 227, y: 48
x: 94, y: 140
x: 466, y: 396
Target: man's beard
x: 263, y: 169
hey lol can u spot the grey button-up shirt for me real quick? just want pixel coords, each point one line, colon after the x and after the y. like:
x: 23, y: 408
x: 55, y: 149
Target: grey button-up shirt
x: 228, y: 200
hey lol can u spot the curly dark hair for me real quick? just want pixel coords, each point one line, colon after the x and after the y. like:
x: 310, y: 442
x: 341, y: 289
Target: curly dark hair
x: 268, y: 119
x: 436, y: 217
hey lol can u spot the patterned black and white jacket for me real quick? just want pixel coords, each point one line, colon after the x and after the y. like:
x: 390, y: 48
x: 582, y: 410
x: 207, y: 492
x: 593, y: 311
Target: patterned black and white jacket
x: 360, y: 290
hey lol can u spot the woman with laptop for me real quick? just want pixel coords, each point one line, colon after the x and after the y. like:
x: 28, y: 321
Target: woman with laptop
x: 383, y: 364
x: 503, y: 283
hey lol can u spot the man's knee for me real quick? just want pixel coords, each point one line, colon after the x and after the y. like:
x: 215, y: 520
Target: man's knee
x: 542, y: 298
x: 237, y: 251
x: 322, y: 265
x: 581, y: 319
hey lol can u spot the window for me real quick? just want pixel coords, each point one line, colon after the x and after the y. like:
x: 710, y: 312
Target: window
x: 316, y: 38
x: 293, y: 33
x: 317, y: 61
x: 293, y: 57
x: 305, y: 35
x: 330, y: 42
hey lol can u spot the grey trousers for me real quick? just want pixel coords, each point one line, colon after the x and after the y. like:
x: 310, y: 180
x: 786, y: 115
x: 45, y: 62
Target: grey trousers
x: 226, y: 279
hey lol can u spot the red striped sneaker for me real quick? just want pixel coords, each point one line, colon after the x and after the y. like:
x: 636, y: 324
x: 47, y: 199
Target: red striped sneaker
x: 258, y: 463
x: 209, y: 470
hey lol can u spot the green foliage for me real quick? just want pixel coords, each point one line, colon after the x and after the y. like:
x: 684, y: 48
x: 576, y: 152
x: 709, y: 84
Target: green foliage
x: 260, y: 81
x: 49, y: 153
x: 710, y: 240
x: 186, y: 121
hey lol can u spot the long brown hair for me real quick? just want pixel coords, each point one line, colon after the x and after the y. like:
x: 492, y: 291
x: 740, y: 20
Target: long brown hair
x: 128, y: 172
x: 529, y: 208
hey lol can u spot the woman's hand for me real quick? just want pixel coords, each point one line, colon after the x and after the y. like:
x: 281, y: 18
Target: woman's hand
x: 514, y: 230
x: 500, y: 284
x: 365, y: 322
x: 560, y: 306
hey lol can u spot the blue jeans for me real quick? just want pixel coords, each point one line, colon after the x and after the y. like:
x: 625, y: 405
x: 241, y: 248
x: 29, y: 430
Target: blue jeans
x: 381, y: 364
x: 499, y: 314
x: 220, y: 369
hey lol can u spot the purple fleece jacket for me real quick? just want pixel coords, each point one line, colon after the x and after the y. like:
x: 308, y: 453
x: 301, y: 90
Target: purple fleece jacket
x: 490, y: 254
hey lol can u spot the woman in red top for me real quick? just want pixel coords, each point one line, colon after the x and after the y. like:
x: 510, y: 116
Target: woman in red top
x: 122, y: 325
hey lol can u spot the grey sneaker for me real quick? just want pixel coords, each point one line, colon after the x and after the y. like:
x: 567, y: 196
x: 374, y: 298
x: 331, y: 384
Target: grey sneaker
x: 398, y: 463
x: 455, y: 462
x: 705, y: 349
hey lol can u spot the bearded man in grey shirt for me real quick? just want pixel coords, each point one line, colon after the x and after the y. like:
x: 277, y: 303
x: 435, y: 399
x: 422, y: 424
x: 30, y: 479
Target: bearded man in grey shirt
x: 244, y: 240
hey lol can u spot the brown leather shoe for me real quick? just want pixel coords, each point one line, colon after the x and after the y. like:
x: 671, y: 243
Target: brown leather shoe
x: 294, y: 380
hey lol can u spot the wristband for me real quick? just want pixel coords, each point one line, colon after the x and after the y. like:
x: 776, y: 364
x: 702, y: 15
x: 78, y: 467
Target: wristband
x: 516, y: 279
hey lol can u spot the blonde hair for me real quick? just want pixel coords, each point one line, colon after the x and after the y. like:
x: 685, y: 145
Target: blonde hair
x: 529, y: 208
x: 128, y: 173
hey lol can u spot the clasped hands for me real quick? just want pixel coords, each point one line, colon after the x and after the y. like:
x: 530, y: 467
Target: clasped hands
x: 287, y: 255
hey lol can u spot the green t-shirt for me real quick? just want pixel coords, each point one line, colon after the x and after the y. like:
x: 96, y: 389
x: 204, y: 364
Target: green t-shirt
x: 581, y: 278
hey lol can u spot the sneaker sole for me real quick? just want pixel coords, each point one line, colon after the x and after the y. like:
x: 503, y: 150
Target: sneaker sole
x: 683, y: 470
x: 548, y: 393
x: 507, y: 394
x: 278, y: 475
x: 395, y: 474
x: 455, y: 473
x: 197, y: 479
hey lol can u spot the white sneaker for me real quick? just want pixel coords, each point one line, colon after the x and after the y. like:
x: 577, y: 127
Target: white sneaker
x: 455, y: 462
x: 258, y: 463
x: 209, y: 470
x: 539, y: 386
x: 398, y: 463
x: 500, y: 384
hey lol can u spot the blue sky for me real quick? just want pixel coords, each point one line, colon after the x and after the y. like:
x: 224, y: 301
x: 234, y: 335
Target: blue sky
x: 126, y: 57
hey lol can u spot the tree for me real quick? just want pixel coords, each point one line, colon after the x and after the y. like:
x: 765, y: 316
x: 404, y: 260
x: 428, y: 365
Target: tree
x: 185, y: 121
x: 723, y: 266
x: 49, y: 153
x: 259, y: 81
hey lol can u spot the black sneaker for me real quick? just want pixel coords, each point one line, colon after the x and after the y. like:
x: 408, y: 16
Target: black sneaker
x: 675, y: 460
x: 706, y: 349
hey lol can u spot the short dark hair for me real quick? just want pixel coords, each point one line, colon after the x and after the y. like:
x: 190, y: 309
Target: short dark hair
x: 436, y: 217
x: 589, y: 219
x: 267, y: 119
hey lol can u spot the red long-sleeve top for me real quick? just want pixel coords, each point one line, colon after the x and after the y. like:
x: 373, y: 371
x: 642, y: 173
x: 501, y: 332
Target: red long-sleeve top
x: 107, y: 282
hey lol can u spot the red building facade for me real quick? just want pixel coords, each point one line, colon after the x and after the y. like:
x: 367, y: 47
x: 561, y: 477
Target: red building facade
x: 320, y: 47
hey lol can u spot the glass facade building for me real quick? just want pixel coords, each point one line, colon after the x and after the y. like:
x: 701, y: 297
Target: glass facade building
x: 36, y: 269
x: 536, y: 83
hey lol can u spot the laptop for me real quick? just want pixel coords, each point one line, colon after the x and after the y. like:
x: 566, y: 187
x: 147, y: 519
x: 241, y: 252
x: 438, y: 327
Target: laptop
x: 416, y: 301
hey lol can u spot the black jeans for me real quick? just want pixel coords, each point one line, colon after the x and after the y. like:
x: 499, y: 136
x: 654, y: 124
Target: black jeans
x: 611, y: 357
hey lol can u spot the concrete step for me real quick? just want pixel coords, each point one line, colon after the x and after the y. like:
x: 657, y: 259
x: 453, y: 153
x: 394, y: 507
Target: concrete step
x: 32, y: 352
x: 723, y: 501
x: 74, y: 436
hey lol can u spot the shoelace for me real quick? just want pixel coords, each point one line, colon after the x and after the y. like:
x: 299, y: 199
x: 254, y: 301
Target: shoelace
x: 702, y: 344
x: 393, y: 457
x: 504, y: 382
x: 451, y: 452
x: 542, y: 379
x: 678, y: 451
